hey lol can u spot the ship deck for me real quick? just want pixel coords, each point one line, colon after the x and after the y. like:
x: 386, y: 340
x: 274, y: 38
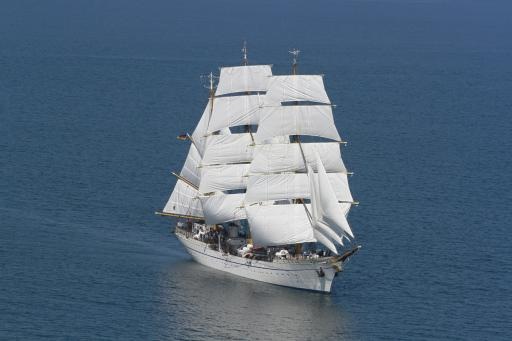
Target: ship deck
x: 291, y: 259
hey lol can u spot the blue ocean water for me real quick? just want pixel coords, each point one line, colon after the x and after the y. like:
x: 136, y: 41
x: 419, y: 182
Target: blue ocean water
x: 93, y: 93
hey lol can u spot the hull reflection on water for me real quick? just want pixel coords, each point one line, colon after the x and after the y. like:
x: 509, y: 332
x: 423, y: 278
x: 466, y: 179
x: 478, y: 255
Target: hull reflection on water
x: 206, y: 304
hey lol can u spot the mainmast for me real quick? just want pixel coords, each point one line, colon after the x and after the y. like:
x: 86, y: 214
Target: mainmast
x: 297, y: 105
x: 295, y: 53
x: 296, y: 139
x: 245, y: 62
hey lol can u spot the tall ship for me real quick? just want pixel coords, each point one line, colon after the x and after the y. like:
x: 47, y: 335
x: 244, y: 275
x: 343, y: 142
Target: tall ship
x: 263, y: 192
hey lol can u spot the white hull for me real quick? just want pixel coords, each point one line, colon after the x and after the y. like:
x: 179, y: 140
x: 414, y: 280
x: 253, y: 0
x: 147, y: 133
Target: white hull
x: 302, y: 274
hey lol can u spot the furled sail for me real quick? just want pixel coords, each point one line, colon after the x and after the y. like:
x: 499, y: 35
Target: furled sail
x: 221, y: 208
x: 225, y: 149
x: 296, y: 88
x: 184, y: 201
x: 314, y: 120
x: 232, y: 111
x: 263, y: 187
x: 287, y: 157
x: 247, y: 78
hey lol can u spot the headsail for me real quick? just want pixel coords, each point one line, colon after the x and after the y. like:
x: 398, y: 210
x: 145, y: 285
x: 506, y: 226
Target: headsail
x: 326, y: 212
x: 184, y: 201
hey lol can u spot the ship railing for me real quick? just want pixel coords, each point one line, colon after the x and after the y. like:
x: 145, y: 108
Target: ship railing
x: 300, y: 260
x: 184, y: 232
x: 190, y: 234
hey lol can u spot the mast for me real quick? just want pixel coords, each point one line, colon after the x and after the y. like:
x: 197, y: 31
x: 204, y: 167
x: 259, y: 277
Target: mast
x: 211, y: 87
x: 184, y: 200
x: 295, y: 53
x: 244, y: 54
x: 245, y: 62
x: 227, y: 156
x: 296, y: 139
x: 297, y: 105
x: 210, y: 78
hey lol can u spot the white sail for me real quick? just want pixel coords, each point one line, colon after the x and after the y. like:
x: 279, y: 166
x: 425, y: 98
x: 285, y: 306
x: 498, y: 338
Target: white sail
x: 296, y: 88
x: 223, y: 177
x: 224, y: 149
x: 184, y: 201
x: 291, y: 186
x: 279, y: 224
x: 327, y: 210
x: 272, y: 170
x: 199, y: 134
x: 221, y: 208
x: 327, y: 231
x: 314, y: 120
x: 345, y: 207
x: 245, y: 78
x: 321, y: 238
x: 190, y: 170
x: 330, y: 232
x: 232, y: 111
x: 287, y: 157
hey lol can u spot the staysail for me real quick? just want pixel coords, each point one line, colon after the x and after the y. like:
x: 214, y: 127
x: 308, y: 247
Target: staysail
x: 184, y: 201
x: 328, y: 213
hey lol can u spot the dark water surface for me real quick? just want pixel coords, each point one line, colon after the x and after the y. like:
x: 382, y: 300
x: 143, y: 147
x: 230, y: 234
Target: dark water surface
x: 93, y: 93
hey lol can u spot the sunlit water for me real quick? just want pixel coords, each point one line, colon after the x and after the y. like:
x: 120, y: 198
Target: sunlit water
x: 93, y: 94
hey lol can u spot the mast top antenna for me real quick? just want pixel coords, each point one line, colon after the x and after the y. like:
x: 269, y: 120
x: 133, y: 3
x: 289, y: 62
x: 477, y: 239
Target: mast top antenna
x: 210, y: 78
x: 295, y: 53
x: 244, y: 53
